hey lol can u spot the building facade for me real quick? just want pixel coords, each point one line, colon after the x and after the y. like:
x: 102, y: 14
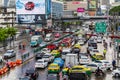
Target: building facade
x: 57, y: 9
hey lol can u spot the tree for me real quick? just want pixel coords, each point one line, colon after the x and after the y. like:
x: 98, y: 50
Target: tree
x: 114, y: 9
x: 11, y: 31
x: 3, y: 36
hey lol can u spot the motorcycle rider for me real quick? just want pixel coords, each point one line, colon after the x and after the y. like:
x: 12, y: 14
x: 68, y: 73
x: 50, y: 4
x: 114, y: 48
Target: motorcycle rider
x: 114, y: 63
x: 98, y: 71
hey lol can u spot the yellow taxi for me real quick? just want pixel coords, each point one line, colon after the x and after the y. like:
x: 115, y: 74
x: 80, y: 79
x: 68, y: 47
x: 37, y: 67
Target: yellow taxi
x: 55, y: 53
x: 65, y: 70
x: 77, y: 46
x: 80, y: 68
x: 53, y: 68
x: 98, y: 56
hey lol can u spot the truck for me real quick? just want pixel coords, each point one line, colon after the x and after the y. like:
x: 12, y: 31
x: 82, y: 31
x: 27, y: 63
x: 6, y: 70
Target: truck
x: 36, y: 40
x: 71, y: 59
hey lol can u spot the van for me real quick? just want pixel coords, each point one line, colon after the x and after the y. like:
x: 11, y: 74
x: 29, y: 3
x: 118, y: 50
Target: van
x: 49, y: 37
x: 35, y: 40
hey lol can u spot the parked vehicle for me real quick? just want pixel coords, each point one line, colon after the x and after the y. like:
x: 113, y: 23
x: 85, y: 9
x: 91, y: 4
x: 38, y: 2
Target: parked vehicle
x: 71, y: 59
x: 32, y: 73
x: 41, y: 63
x: 36, y: 40
x: 9, y: 54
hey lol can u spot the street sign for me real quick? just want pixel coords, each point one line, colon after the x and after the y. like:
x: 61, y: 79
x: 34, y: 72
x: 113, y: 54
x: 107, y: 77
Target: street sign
x: 100, y: 27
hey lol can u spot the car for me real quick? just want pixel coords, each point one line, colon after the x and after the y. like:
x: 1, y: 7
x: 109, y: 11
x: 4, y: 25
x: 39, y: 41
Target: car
x: 32, y: 73
x: 53, y: 77
x: 42, y: 44
x: 51, y: 46
x: 116, y: 72
x: 97, y: 56
x: 45, y: 50
x: 48, y: 57
x: 81, y: 42
x: 39, y: 56
x: 99, y: 40
x: 41, y: 63
x: 29, y: 6
x: 53, y: 68
x: 80, y: 68
x: 84, y: 59
x: 93, y: 44
x: 107, y: 64
x: 93, y: 51
x: 59, y: 61
x: 24, y: 78
x: 9, y: 54
x: 94, y: 66
x: 77, y: 46
x: 89, y: 49
x: 64, y: 52
x: 55, y: 53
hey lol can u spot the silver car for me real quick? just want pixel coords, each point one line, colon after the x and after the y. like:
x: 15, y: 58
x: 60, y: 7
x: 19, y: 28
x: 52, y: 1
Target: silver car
x: 9, y: 54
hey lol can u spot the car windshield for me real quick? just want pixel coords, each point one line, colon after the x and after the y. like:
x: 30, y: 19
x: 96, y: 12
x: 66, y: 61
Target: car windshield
x: 40, y: 61
x: 9, y: 51
x: 77, y: 68
x: 83, y: 57
x: 95, y: 51
x: 53, y: 66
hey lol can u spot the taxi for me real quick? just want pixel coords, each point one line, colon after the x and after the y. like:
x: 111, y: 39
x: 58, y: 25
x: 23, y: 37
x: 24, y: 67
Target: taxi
x: 55, y: 53
x: 80, y: 68
x: 65, y: 71
x: 98, y: 56
x: 53, y: 68
x: 77, y: 46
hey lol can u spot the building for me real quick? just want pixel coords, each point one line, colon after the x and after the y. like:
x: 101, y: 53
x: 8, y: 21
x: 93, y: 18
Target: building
x: 71, y: 6
x: 115, y: 3
x: 57, y: 9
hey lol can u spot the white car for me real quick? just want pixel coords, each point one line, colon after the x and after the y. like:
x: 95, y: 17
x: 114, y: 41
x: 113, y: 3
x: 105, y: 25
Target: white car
x: 84, y: 59
x: 99, y: 40
x: 94, y: 66
x: 45, y: 50
x: 9, y: 54
x: 42, y: 44
x: 116, y: 72
x: 104, y: 63
x: 48, y: 57
x: 41, y: 63
x: 81, y: 42
x: 65, y: 51
x: 93, y: 51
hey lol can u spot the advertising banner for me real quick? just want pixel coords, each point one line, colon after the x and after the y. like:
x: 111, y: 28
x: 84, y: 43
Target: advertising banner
x: 48, y: 10
x: 30, y: 6
x: 92, y: 4
x: 31, y: 19
x: 80, y: 10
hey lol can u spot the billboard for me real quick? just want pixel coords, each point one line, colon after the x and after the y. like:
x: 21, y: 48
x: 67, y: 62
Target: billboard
x: 21, y: 19
x: 48, y: 9
x: 30, y: 6
x: 80, y: 10
x: 92, y: 4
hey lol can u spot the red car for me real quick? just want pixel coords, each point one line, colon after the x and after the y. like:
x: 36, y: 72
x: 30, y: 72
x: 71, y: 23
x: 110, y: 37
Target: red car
x: 51, y: 46
x: 29, y: 6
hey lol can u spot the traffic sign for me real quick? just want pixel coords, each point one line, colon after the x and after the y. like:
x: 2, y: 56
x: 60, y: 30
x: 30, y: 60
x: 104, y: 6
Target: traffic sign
x: 100, y: 27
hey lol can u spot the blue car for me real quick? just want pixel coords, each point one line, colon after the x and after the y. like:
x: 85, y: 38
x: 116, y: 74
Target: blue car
x: 59, y: 61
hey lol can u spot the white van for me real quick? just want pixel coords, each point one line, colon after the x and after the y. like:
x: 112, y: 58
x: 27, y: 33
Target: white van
x: 49, y: 37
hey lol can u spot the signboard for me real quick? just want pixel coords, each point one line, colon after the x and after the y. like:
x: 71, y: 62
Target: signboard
x: 100, y: 27
x: 48, y: 9
x: 30, y: 19
x: 30, y: 6
x: 80, y: 10
x: 118, y: 28
x: 92, y: 4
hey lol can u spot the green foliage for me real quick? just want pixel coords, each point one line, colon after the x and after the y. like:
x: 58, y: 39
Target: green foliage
x: 114, y: 9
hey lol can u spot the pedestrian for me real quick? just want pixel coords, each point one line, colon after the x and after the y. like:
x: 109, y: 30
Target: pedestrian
x: 7, y: 64
x: 104, y: 52
x: 114, y: 63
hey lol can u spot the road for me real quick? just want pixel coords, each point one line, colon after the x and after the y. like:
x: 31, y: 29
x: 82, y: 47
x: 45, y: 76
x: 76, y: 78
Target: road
x: 18, y: 71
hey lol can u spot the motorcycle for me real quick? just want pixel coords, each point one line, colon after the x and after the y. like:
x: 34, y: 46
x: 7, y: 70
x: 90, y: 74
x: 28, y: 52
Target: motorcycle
x: 99, y: 73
